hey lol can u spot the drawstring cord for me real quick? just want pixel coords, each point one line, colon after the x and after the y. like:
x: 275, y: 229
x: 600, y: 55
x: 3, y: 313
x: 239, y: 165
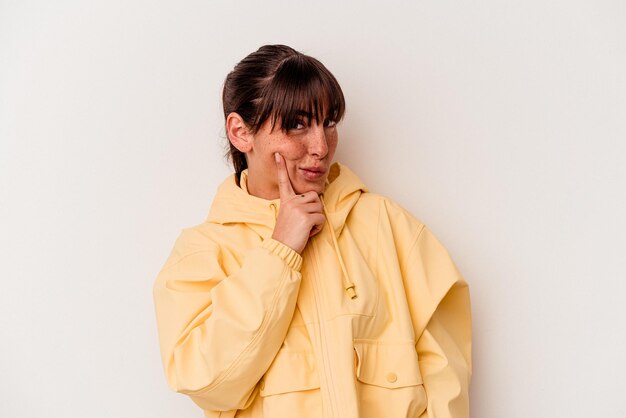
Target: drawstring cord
x: 347, y: 283
x: 273, y: 206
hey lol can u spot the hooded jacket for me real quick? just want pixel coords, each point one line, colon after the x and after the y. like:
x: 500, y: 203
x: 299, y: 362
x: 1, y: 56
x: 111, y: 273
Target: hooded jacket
x: 372, y: 319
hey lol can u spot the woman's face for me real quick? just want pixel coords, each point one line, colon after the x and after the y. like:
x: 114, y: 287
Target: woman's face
x: 308, y: 151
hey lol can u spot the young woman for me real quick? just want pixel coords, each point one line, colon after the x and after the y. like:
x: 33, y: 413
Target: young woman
x: 303, y: 294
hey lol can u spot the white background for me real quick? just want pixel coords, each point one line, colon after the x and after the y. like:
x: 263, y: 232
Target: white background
x: 501, y: 125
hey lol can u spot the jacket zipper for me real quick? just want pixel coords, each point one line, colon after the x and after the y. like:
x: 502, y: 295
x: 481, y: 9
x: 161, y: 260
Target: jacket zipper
x: 317, y: 294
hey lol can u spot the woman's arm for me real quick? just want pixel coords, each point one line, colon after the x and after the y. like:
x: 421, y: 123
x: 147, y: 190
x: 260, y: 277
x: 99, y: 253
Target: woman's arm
x: 439, y: 305
x: 440, y: 310
x: 219, y: 333
x: 444, y: 350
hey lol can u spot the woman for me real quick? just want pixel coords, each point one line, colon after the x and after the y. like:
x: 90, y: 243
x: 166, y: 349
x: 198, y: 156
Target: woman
x: 303, y: 294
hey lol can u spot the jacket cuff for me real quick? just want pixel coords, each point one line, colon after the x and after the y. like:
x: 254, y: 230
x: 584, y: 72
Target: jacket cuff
x: 291, y: 257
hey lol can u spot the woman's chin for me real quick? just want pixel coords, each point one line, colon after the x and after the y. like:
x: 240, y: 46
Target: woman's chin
x: 307, y: 186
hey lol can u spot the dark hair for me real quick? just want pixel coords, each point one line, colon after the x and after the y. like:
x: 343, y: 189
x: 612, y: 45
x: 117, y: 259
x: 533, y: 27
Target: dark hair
x: 277, y: 82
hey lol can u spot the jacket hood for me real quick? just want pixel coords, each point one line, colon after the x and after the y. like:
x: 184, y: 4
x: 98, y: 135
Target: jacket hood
x: 233, y: 204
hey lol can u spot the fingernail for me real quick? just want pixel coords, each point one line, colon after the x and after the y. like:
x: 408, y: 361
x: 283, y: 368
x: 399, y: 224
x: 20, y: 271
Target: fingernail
x: 276, y: 157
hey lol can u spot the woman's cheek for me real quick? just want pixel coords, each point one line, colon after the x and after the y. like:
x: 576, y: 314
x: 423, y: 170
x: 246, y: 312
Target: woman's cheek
x: 292, y: 151
x: 332, y: 147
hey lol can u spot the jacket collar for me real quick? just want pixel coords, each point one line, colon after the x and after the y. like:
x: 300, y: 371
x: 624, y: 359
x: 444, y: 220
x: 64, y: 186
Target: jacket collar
x: 233, y: 204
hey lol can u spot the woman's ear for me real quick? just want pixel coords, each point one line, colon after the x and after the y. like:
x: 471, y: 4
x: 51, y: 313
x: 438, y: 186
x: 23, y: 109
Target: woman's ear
x: 238, y: 132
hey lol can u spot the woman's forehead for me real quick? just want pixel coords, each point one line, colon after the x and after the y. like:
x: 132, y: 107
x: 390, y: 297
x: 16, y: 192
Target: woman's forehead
x: 316, y: 107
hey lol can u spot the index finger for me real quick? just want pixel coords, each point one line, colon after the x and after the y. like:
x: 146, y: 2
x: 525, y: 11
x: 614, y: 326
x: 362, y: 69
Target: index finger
x: 285, y: 189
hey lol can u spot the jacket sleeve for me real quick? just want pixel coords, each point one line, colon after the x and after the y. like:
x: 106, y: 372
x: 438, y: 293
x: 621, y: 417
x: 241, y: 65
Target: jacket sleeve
x: 219, y: 333
x: 441, y: 316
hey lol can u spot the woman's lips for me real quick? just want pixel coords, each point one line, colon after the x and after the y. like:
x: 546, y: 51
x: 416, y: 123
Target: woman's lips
x: 313, y: 173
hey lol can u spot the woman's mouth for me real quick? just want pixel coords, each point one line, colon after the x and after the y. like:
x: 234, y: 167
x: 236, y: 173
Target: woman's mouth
x: 313, y: 173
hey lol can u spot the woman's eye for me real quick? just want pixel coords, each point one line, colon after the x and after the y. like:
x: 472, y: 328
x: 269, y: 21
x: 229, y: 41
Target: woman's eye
x: 297, y: 124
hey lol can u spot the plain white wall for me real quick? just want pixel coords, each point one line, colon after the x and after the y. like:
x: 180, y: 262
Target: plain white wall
x: 500, y: 124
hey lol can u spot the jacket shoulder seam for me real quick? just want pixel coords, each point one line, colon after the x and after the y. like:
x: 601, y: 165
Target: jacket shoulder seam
x: 212, y: 247
x: 420, y: 231
x: 183, y: 257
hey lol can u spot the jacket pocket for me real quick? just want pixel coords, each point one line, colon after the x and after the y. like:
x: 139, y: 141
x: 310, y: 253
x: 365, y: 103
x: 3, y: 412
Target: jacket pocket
x: 389, y: 381
x: 291, y: 385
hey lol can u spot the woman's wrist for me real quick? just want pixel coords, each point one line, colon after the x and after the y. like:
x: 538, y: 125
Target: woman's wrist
x: 291, y: 256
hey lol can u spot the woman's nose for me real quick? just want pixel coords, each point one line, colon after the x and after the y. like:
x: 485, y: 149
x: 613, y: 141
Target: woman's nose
x: 318, y: 145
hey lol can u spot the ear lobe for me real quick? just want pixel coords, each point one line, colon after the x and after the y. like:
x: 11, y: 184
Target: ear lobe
x: 238, y: 132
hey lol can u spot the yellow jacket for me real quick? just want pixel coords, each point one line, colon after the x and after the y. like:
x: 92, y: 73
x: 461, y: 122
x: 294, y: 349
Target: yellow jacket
x: 372, y: 320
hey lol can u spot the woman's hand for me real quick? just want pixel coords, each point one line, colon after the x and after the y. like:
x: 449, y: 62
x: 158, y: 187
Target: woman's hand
x: 301, y: 216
